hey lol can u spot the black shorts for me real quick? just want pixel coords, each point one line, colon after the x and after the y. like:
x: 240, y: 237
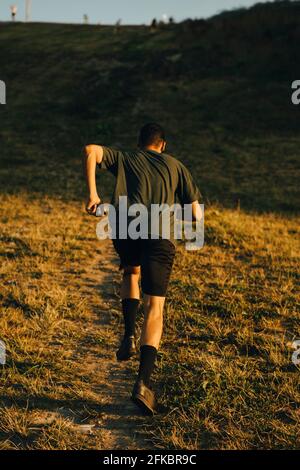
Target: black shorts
x: 156, y: 259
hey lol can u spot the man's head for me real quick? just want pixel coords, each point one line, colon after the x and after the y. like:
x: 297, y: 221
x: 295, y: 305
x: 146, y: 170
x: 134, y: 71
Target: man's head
x: 152, y: 137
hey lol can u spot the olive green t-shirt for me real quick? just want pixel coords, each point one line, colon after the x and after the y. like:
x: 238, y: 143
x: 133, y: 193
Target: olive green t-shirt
x: 148, y: 177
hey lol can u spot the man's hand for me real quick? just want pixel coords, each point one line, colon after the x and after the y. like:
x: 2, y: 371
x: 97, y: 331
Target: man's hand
x: 92, y: 204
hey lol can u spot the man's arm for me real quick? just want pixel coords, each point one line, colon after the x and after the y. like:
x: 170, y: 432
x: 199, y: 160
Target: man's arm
x: 93, y: 156
x: 187, y: 191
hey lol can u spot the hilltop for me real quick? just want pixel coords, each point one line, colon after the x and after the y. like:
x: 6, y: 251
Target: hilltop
x: 222, y: 88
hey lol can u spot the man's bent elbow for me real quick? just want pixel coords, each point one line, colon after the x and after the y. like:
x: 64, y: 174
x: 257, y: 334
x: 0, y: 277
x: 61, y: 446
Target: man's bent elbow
x: 87, y: 150
x: 95, y: 150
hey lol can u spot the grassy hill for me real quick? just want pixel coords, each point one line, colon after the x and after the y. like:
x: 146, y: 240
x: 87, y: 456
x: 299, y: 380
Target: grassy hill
x: 222, y: 88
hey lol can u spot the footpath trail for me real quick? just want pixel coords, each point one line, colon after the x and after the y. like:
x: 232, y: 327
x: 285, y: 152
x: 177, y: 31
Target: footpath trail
x: 121, y: 424
x: 62, y: 386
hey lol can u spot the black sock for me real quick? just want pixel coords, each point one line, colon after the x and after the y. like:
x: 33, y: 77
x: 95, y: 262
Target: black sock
x: 130, y: 308
x: 147, y: 361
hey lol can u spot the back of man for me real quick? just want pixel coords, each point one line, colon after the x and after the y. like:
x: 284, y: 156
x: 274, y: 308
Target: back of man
x: 148, y: 177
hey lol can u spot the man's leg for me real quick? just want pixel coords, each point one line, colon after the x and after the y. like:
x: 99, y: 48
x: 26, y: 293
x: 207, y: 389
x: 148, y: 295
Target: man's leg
x: 130, y: 295
x: 130, y: 288
x: 151, y: 335
x: 157, y: 261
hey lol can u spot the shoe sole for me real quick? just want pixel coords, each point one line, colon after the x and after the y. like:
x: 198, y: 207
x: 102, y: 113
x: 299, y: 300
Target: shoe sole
x: 125, y: 358
x: 143, y: 404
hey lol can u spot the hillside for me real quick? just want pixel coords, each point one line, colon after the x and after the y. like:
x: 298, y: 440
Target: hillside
x: 222, y: 88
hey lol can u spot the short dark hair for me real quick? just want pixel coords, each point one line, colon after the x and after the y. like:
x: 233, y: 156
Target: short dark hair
x: 151, y: 134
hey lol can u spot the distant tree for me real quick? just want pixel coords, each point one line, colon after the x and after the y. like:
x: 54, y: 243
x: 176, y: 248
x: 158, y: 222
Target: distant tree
x: 189, y: 25
x: 171, y: 20
x: 118, y: 26
x: 153, y: 26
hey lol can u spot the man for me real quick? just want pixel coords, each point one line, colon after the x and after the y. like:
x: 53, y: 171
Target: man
x: 146, y: 176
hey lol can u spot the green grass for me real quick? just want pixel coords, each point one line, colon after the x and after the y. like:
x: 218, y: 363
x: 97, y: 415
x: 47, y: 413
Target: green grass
x: 222, y: 88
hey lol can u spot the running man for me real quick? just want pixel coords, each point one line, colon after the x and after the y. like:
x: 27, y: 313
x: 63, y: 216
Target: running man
x: 147, y: 176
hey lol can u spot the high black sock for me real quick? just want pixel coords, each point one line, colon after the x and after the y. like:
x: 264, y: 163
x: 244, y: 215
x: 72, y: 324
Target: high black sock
x: 147, y: 361
x: 130, y: 308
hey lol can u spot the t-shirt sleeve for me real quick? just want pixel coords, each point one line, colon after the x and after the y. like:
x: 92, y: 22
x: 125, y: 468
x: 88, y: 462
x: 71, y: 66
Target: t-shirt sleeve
x: 110, y: 159
x: 187, y: 190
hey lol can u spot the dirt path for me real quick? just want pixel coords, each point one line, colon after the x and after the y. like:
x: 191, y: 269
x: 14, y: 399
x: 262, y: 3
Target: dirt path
x: 121, y: 424
x: 87, y: 403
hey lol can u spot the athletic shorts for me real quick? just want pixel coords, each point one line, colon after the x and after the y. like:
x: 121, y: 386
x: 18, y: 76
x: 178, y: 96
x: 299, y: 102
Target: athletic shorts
x: 155, y: 257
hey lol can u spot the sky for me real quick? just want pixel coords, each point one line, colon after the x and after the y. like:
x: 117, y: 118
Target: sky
x: 108, y: 12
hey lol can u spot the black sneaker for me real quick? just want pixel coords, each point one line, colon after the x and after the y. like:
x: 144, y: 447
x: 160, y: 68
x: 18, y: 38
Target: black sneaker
x: 127, y: 348
x: 144, y: 398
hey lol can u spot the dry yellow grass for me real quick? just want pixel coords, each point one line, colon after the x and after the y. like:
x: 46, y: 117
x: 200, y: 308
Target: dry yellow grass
x: 225, y: 366
x: 44, y: 323
x: 232, y: 315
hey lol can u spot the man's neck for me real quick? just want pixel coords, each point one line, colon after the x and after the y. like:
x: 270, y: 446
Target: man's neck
x: 151, y: 148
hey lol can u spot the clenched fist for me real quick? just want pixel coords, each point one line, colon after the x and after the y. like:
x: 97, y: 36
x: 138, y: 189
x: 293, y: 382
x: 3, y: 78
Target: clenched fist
x: 92, y: 204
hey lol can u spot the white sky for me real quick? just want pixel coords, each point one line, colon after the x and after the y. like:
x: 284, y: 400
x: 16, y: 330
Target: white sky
x: 107, y: 12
